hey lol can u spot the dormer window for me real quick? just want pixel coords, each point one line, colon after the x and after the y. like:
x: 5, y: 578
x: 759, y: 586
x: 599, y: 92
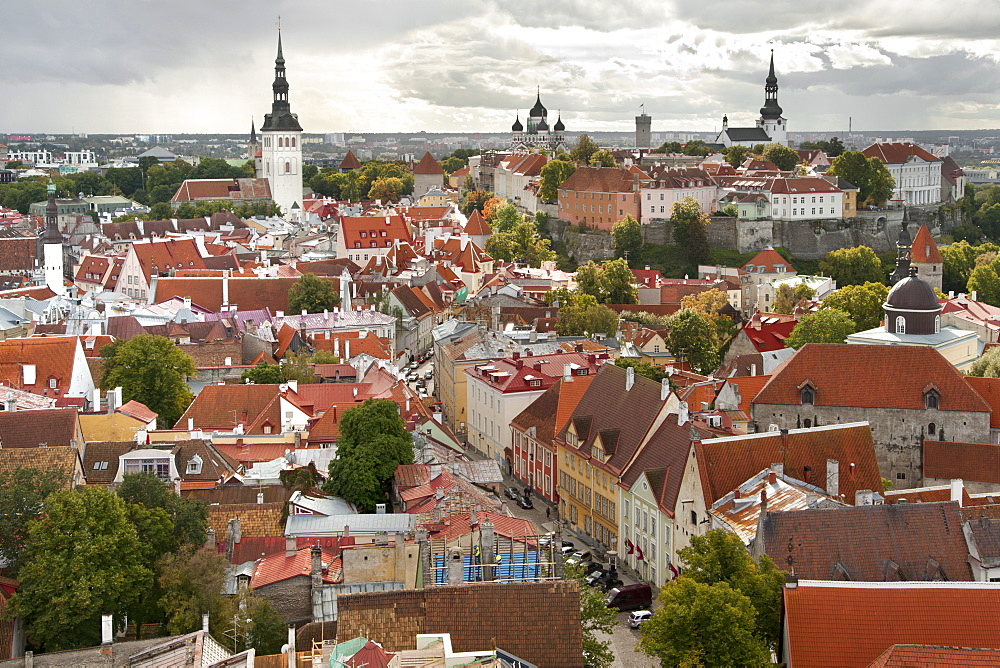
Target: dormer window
x: 194, y: 465
x: 807, y: 394
x: 932, y: 399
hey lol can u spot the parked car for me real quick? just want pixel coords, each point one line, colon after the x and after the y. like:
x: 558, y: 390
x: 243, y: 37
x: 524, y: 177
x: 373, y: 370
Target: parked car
x: 422, y: 393
x: 421, y: 383
x: 411, y: 377
x: 636, y: 618
x: 512, y: 493
x: 593, y: 567
x: 525, y: 502
x: 567, y: 550
x: 630, y: 597
x: 414, y: 364
x: 579, y: 557
x: 428, y: 374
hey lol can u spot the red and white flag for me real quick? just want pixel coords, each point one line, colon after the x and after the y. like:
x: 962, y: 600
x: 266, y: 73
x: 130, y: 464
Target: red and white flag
x: 639, y: 550
x: 630, y: 548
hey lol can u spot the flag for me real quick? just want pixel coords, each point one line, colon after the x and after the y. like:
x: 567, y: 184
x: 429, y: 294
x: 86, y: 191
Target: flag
x: 641, y: 556
x: 630, y: 548
x: 673, y: 571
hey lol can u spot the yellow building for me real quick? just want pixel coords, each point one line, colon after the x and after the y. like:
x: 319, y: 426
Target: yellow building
x: 452, y: 356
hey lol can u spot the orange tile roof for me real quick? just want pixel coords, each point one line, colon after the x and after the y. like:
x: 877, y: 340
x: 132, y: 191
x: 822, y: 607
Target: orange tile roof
x: 225, y: 406
x: 889, y: 381
x: 923, y: 248
x: 52, y: 356
x: 930, y: 656
x: 277, y: 567
x: 158, y: 257
x: 978, y: 462
x: 988, y: 389
x: 228, y: 189
x: 460, y: 525
x: 477, y: 225
x: 833, y: 625
x: 428, y: 165
x: 363, y: 231
x: 726, y: 463
x: 138, y: 410
x: 748, y: 387
x: 768, y: 258
x: 350, y: 161
x: 600, y: 179
x: 898, y: 152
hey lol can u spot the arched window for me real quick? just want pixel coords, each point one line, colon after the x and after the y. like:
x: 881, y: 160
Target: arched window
x: 293, y: 142
x: 931, y: 399
x: 288, y: 167
x: 931, y: 429
x: 900, y: 324
x: 937, y: 324
x: 808, y: 395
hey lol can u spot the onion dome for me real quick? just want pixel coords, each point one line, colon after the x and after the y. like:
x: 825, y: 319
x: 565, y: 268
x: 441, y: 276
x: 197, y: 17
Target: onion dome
x: 542, y: 125
x: 517, y: 127
x: 912, y: 294
x: 559, y: 127
x: 539, y: 109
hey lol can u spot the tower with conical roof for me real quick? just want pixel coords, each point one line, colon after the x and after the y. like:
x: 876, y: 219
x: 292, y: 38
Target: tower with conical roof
x: 52, y: 245
x: 281, y: 143
x: 770, y: 119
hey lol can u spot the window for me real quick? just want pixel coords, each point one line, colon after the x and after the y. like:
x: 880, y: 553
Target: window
x: 937, y: 324
x: 932, y: 429
x: 900, y: 324
x: 53, y: 383
x: 808, y: 395
x: 931, y: 399
x: 694, y: 518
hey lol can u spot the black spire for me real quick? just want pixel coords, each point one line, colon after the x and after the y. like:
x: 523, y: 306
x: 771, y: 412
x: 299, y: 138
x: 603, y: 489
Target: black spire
x: 771, y: 110
x: 52, y: 234
x: 281, y: 116
x: 539, y: 109
x: 559, y: 127
x: 517, y: 127
x: 253, y: 133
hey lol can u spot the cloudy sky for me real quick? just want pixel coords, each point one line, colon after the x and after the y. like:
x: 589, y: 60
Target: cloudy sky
x: 126, y: 66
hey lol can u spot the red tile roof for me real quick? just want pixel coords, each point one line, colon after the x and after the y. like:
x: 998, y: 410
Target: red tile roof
x: 748, y: 387
x: 978, y: 462
x: 277, y: 567
x: 930, y: 656
x: 600, y: 179
x: 872, y: 543
x: 725, y: 463
x: 801, y: 184
x: 988, y: 389
x: 833, y: 625
x: 225, y: 406
x: 428, y: 165
x: 137, y: 410
x: 457, y: 526
x: 52, y: 357
x: 350, y: 161
x: 766, y: 335
x: 924, y: 249
x: 159, y: 257
x: 768, y: 259
x: 229, y: 189
x: 363, y: 232
x: 516, y: 375
x: 477, y: 225
x: 897, y: 153
x: 889, y: 381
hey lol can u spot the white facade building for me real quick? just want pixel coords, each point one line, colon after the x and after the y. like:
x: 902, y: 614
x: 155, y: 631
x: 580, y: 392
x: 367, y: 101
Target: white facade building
x: 916, y: 171
x: 281, y: 145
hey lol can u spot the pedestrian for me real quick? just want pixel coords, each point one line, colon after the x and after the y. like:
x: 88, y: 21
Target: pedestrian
x: 548, y: 513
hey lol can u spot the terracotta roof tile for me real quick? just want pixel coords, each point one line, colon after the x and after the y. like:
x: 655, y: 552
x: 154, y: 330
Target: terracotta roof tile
x: 725, y: 463
x: 47, y: 426
x: 350, y: 161
x: 277, y: 567
x: 256, y: 519
x: 929, y: 656
x: 923, y: 248
x: 872, y: 617
x: 52, y: 357
x: 898, y: 152
x: 978, y: 462
x: 768, y: 259
x: 64, y: 460
x: 889, y: 382
x: 428, y: 165
x: 873, y: 543
x: 600, y: 179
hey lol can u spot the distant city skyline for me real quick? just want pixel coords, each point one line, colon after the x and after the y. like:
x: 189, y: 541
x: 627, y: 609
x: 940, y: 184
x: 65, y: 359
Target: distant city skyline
x: 463, y: 66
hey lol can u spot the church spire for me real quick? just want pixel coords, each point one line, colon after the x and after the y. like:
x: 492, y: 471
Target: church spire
x: 771, y: 110
x: 281, y: 116
x: 253, y: 132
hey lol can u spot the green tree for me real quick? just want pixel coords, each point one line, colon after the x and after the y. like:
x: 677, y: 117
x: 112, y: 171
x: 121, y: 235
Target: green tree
x: 506, y: 218
x: 853, y: 266
x: 583, y: 316
x: 192, y: 583
x: 160, y: 211
x: 627, y: 234
x: 522, y: 244
x: 987, y: 366
x: 553, y: 174
x: 669, y: 147
x: 788, y: 297
x: 736, y: 154
x: 588, y: 280
x: 690, y: 225
x: 720, y: 556
x: 469, y: 184
x: 642, y: 368
x: 863, y: 303
x: 618, y: 283
x: 452, y: 164
x: 692, y: 338
x: 828, y: 325
x: 266, y: 631
x: 126, y: 179
x: 82, y: 559
x: 189, y: 517
x: 150, y: 370
x: 709, y: 305
x: 870, y: 175
x: 215, y: 168
x: 783, y: 157
x: 22, y: 493
x: 308, y: 171
x: 602, y: 158
x: 585, y: 147
x: 986, y: 283
x: 959, y: 261
x: 595, y: 618
x: 697, y: 147
x: 703, y: 625
x: 312, y: 294
x: 373, y: 442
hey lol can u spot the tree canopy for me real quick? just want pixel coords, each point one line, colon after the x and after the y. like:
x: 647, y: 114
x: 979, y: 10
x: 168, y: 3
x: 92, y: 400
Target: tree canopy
x: 373, y: 442
x: 312, y: 294
x: 553, y: 173
x: 475, y: 201
x: 987, y: 366
x: 627, y: 234
x: 690, y: 225
x: 583, y: 316
x: 692, y: 337
x: 832, y: 148
x: 150, y: 370
x: 875, y: 183
x: 82, y: 559
x: 853, y: 266
x: 610, y: 283
x: 788, y: 297
x: 863, y: 303
x: 828, y: 325
x: 736, y: 154
x: 522, y: 243
x: 783, y: 157
x: 506, y: 218
x: 585, y: 147
x: 642, y: 368
x: 602, y: 158
x: 595, y: 617
x: 22, y: 495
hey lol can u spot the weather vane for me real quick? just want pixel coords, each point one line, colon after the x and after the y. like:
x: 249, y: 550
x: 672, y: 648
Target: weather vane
x: 279, y: 22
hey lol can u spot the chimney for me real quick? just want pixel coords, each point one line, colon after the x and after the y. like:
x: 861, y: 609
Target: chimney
x: 190, y: 424
x: 260, y: 498
x: 629, y: 378
x: 737, y: 494
x: 235, y: 534
x: 567, y: 373
x: 291, y: 546
x: 347, y: 350
x: 811, y: 499
x: 456, y: 566
x: 439, y: 492
x: 772, y: 478
x: 753, y: 369
x: 96, y: 399
x: 204, y: 622
x: 664, y: 389
x: 863, y: 497
x: 833, y: 477
x: 317, y: 567
x: 778, y: 468
x: 956, y: 490
x: 107, y: 629
x: 973, y: 294
x: 210, y: 539
x: 473, y: 520
x: 487, y: 538
x: 682, y: 414
x: 291, y: 646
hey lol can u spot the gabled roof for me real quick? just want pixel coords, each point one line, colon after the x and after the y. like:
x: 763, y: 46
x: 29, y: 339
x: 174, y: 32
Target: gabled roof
x: 748, y: 134
x: 873, y: 543
x: 100, y: 460
x: 277, y: 568
x: 898, y: 153
x: 350, y: 161
x: 549, y: 412
x: 848, y: 624
x: 768, y: 334
x: 767, y: 259
x: 988, y: 389
x: 428, y: 165
x: 748, y: 387
x: 225, y: 406
x: 53, y: 357
x: 378, y: 232
x: 58, y: 459
x: 889, y: 380
x: 138, y: 410
x: 229, y: 189
x: 932, y: 656
x: 976, y: 462
x: 43, y: 427
x: 923, y: 248
x: 662, y: 458
x: 600, y: 179
x: 477, y: 225
x: 725, y: 463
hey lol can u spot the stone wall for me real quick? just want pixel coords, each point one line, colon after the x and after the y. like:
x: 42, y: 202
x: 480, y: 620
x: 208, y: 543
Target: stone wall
x: 291, y: 598
x: 657, y: 231
x: 583, y: 248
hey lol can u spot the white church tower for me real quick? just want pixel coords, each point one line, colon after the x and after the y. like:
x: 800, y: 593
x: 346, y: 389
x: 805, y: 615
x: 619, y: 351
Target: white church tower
x: 281, y: 145
x: 770, y: 119
x: 52, y: 246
